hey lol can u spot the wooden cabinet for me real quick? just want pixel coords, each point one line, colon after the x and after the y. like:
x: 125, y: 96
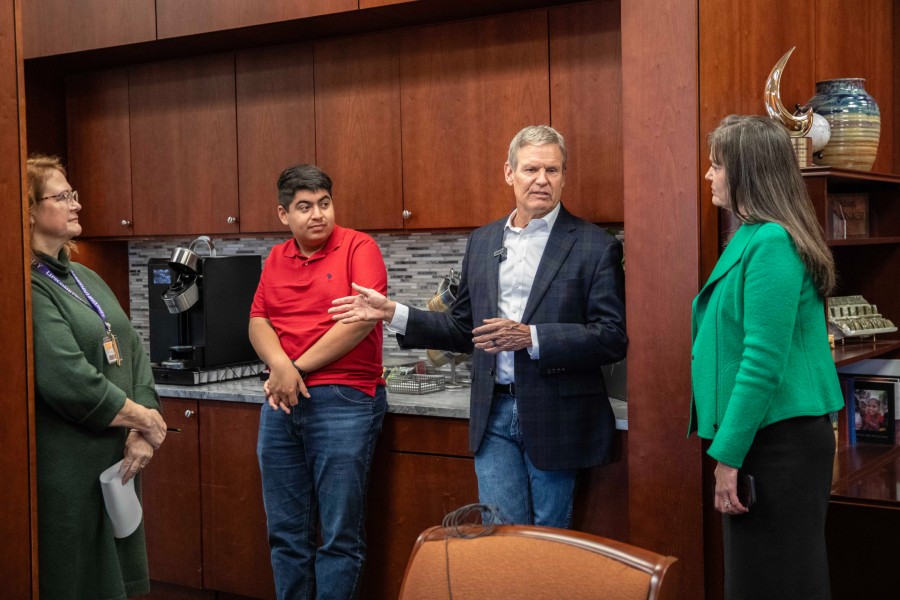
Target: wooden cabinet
x: 194, y: 146
x: 466, y: 89
x: 204, y: 515
x: 184, y: 147
x: 358, y: 128
x: 60, y: 26
x: 176, y: 17
x: 865, y: 265
x: 99, y: 150
x: 275, y: 127
x: 171, y: 493
x: 586, y: 106
x: 235, y: 546
x: 423, y: 470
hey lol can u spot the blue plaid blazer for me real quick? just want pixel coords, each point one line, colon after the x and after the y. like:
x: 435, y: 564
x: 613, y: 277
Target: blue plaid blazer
x: 577, y: 303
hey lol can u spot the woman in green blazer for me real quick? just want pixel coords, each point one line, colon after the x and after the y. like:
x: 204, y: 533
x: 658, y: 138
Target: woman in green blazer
x: 763, y: 377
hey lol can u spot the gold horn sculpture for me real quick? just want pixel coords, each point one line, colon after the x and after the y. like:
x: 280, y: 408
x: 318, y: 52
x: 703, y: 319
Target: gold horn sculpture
x: 797, y: 125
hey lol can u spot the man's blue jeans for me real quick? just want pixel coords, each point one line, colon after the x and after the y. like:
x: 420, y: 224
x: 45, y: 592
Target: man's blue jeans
x: 524, y: 494
x: 315, y: 462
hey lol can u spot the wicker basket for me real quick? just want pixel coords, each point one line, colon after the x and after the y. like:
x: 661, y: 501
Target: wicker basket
x: 416, y: 384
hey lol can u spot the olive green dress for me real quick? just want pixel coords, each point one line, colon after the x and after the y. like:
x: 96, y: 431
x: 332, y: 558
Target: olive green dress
x: 78, y: 393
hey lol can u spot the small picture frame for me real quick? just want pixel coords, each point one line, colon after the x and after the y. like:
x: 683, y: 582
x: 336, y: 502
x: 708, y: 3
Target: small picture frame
x: 849, y: 216
x: 874, y: 404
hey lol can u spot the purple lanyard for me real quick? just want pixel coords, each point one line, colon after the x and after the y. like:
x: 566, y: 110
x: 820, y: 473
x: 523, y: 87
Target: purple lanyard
x: 44, y: 270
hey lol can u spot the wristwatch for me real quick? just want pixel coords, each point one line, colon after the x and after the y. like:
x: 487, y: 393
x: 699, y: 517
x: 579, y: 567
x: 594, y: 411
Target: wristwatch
x: 303, y: 374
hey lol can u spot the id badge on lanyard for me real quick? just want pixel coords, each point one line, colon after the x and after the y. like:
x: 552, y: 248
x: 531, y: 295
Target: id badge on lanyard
x: 110, y: 343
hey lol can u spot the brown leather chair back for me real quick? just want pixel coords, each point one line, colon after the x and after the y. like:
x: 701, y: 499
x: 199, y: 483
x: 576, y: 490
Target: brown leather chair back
x: 533, y: 563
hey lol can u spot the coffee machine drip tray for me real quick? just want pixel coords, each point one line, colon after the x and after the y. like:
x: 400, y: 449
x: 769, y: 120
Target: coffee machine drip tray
x: 175, y: 374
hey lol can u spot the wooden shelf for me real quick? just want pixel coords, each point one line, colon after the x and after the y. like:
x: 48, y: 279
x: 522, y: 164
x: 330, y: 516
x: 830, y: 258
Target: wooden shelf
x: 867, y: 473
x: 852, y: 352
x: 850, y: 175
x: 864, y: 241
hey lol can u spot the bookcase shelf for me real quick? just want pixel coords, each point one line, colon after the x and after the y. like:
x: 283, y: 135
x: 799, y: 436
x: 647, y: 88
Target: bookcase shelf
x: 868, y: 266
x: 856, y: 351
x: 869, y: 241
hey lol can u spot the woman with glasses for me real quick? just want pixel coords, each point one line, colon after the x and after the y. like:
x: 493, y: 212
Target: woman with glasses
x: 95, y: 404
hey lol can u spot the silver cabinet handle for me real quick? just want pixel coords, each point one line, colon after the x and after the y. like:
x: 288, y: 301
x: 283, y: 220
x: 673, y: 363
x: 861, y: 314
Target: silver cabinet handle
x: 125, y: 223
x: 406, y: 214
x: 188, y: 414
x: 231, y: 220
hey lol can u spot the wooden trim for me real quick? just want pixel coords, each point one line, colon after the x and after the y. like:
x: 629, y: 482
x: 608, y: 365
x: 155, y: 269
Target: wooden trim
x: 18, y: 531
x: 661, y: 190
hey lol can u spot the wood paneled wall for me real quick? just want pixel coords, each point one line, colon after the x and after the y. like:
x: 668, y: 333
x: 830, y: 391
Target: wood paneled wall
x: 99, y: 165
x: 18, y: 567
x: 87, y: 23
x: 467, y: 88
x: 833, y: 39
x: 896, y: 75
x: 275, y: 126
x: 660, y: 117
x: 184, y: 145
x: 176, y: 18
x: 586, y: 105
x: 856, y: 40
x: 358, y: 128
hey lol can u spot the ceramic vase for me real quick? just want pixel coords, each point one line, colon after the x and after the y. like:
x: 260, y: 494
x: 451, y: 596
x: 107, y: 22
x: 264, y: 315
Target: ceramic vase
x: 855, y: 123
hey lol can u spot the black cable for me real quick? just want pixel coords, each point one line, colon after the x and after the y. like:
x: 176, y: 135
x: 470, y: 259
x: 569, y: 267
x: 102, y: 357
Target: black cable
x: 468, y: 515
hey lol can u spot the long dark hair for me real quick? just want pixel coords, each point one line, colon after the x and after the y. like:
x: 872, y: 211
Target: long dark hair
x: 765, y: 186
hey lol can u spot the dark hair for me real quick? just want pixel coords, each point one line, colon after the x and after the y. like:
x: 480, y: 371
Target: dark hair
x: 301, y: 177
x: 765, y: 186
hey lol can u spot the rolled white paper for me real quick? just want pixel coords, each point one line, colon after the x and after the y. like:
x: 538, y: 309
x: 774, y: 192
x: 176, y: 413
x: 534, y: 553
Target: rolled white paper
x: 122, y: 504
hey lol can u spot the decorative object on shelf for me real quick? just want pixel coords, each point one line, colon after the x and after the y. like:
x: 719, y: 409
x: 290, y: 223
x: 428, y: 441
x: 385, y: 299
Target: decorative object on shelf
x: 852, y: 316
x: 855, y: 122
x: 875, y: 409
x: 819, y: 133
x: 849, y: 216
x: 798, y: 125
x: 441, y: 302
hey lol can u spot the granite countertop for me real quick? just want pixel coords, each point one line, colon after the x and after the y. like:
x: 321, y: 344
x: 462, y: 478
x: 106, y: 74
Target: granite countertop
x: 452, y: 402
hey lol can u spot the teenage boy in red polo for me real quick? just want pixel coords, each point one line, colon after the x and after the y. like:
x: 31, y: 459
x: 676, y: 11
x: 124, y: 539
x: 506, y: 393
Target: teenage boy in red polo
x: 326, y: 398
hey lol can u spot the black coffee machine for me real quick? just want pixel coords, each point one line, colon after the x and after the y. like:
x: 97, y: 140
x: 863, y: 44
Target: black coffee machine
x: 199, y: 312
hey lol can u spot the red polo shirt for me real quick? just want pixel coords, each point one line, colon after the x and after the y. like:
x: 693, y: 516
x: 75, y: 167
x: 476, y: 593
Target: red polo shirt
x: 295, y: 293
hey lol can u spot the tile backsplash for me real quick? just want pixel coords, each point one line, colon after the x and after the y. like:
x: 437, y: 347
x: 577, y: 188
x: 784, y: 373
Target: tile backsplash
x: 415, y: 264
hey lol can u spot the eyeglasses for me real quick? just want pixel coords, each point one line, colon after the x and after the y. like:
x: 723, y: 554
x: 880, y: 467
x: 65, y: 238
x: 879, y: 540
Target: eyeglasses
x: 69, y: 196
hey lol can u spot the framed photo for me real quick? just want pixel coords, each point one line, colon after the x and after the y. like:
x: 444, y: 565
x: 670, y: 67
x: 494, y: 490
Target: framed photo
x: 875, y: 410
x: 849, y: 216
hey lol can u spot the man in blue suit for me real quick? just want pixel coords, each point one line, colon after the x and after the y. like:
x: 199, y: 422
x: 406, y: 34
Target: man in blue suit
x: 541, y: 307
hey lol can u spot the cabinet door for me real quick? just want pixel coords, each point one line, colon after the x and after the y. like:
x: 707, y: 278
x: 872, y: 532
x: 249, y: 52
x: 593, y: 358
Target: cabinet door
x: 99, y: 149
x: 177, y: 17
x: 358, y: 129
x: 423, y: 469
x: 276, y: 127
x: 171, y: 492
x: 586, y: 106
x: 184, y: 146
x: 235, y: 547
x: 409, y: 493
x: 59, y: 26
x: 467, y: 88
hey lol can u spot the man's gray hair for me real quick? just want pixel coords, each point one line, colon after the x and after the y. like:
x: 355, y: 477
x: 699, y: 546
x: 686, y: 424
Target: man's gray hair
x: 535, y: 135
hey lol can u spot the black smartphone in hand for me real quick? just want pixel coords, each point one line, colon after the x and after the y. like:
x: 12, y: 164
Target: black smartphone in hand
x: 746, y: 489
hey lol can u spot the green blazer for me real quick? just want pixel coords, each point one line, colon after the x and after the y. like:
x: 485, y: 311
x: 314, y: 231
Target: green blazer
x: 760, y: 345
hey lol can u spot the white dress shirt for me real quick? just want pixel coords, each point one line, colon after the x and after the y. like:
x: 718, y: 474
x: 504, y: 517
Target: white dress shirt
x: 524, y: 249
